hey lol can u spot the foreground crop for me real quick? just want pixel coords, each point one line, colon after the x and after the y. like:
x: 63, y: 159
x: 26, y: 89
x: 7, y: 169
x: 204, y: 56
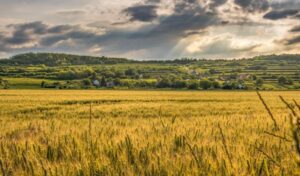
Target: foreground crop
x: 146, y: 133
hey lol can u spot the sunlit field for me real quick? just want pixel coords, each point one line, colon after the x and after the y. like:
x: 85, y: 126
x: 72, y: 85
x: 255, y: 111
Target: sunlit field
x: 145, y: 133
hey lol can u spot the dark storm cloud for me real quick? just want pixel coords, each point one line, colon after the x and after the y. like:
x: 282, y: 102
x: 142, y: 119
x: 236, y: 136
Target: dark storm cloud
x: 143, y: 13
x: 188, y: 16
x: 280, y: 14
x: 27, y: 32
x: 36, y: 27
x: 253, y: 5
x: 158, y: 36
x: 18, y: 38
x: 43, y: 34
x: 22, y: 33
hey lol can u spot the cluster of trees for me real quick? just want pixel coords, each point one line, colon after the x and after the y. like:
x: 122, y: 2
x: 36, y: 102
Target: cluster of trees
x: 4, y: 83
x: 163, y: 83
x: 56, y: 59
x: 82, y: 73
x: 189, y: 84
x: 257, y: 67
x: 282, y: 80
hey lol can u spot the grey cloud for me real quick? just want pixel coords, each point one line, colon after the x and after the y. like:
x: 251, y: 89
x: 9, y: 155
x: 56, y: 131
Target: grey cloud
x: 284, y: 5
x: 295, y: 29
x: 143, y: 13
x: 158, y: 37
x: 22, y: 33
x: 43, y: 34
x: 74, y: 34
x: 27, y: 32
x: 294, y: 40
x: 59, y: 28
x: 51, y: 40
x: 253, y: 5
x: 36, y: 27
x: 2, y: 44
x: 216, y: 3
x: 194, y: 33
x: 280, y: 14
x: 71, y: 12
x: 153, y: 1
x: 155, y: 39
x: 184, y: 6
x: 188, y: 16
x: 18, y: 38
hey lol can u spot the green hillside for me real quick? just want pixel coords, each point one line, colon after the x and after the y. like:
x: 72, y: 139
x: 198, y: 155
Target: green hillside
x: 273, y: 72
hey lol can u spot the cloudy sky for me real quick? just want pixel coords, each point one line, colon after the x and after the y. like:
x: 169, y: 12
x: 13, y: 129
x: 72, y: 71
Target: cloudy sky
x: 151, y: 29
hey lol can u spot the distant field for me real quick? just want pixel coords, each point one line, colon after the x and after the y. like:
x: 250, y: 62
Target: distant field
x: 47, y: 132
x: 24, y: 83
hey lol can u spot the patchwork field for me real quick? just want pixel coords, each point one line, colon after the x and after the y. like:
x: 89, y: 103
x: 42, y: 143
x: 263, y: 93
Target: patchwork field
x: 52, y: 132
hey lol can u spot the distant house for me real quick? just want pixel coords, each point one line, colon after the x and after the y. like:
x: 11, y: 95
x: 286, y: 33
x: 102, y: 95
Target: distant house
x: 110, y: 84
x: 194, y: 72
x: 244, y: 76
x: 240, y: 86
x: 96, y: 83
x: 222, y: 78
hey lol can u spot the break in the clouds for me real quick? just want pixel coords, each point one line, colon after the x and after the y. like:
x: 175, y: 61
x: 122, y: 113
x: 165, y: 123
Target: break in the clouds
x: 151, y: 29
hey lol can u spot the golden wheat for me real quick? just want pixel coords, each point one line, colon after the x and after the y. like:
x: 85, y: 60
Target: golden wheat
x: 47, y: 132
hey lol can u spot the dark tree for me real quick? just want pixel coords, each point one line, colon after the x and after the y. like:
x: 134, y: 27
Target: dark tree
x: 205, y: 84
x: 259, y: 82
x: 103, y: 82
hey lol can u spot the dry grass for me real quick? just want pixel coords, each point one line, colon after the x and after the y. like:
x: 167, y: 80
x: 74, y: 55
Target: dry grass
x: 145, y: 133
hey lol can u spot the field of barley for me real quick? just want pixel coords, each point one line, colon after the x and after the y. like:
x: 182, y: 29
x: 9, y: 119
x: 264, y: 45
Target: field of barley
x: 90, y: 132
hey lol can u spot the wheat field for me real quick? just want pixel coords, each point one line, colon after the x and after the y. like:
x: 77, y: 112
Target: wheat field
x: 91, y: 132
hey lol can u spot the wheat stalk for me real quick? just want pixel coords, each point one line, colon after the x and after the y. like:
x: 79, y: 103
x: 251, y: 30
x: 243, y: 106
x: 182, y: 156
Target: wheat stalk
x: 289, y: 106
x: 91, y: 164
x: 267, y: 155
x: 268, y: 110
x: 296, y: 104
x: 275, y: 135
x: 225, y: 145
x: 295, y: 126
x: 193, y: 153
